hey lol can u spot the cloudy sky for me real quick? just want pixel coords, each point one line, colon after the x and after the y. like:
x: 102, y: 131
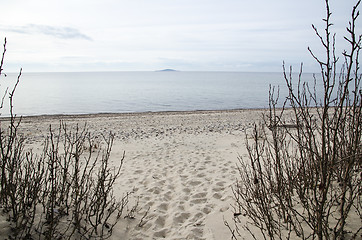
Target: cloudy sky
x: 146, y: 35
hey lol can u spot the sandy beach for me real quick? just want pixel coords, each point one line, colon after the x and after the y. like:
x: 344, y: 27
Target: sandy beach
x: 180, y: 166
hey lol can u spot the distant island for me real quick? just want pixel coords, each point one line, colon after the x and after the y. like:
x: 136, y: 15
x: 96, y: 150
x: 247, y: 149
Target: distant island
x: 167, y: 70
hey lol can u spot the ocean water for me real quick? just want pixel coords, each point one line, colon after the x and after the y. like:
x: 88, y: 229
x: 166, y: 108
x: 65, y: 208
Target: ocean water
x: 120, y: 92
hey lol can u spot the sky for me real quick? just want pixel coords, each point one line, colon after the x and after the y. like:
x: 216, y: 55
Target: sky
x: 148, y: 35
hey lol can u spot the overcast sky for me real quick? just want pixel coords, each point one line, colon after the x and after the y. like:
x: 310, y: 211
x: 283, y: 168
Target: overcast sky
x: 146, y: 35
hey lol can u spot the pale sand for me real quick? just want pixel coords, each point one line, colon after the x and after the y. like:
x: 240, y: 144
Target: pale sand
x: 181, y: 165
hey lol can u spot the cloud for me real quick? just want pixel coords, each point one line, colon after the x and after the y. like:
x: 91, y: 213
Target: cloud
x: 57, y: 32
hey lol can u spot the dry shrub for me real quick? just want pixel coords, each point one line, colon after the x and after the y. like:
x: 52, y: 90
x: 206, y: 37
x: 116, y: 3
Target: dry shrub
x: 302, y: 179
x: 64, y: 193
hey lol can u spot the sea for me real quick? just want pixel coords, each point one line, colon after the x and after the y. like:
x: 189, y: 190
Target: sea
x: 126, y: 92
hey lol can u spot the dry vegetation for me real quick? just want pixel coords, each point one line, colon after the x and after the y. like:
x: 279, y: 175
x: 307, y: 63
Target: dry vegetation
x: 64, y: 193
x: 302, y: 179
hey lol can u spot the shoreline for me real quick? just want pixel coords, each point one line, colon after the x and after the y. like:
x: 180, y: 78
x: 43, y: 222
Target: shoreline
x: 120, y: 114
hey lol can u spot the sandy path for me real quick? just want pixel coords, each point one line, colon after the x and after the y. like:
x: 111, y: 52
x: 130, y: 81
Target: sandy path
x: 181, y: 167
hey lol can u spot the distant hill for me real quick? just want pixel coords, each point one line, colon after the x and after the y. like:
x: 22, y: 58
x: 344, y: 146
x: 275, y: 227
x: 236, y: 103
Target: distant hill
x: 167, y: 70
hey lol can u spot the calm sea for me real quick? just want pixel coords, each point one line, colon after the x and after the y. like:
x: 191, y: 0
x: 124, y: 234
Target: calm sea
x: 119, y: 92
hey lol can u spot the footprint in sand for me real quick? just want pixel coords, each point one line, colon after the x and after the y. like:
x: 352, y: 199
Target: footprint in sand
x: 194, y: 183
x: 160, y: 221
x: 217, y: 196
x: 160, y: 234
x: 220, y: 183
x: 217, y: 189
x: 138, y: 171
x: 198, y: 219
x: 168, y: 196
x: 186, y: 190
x: 199, y: 195
x: 163, y: 207
x: 196, y: 232
x: 186, y: 198
x: 207, y: 210
x: 202, y: 168
x: 198, y: 201
x: 181, y: 217
x: 155, y: 190
x: 161, y: 182
x: 183, y: 177
x: 201, y: 175
x: 181, y: 206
